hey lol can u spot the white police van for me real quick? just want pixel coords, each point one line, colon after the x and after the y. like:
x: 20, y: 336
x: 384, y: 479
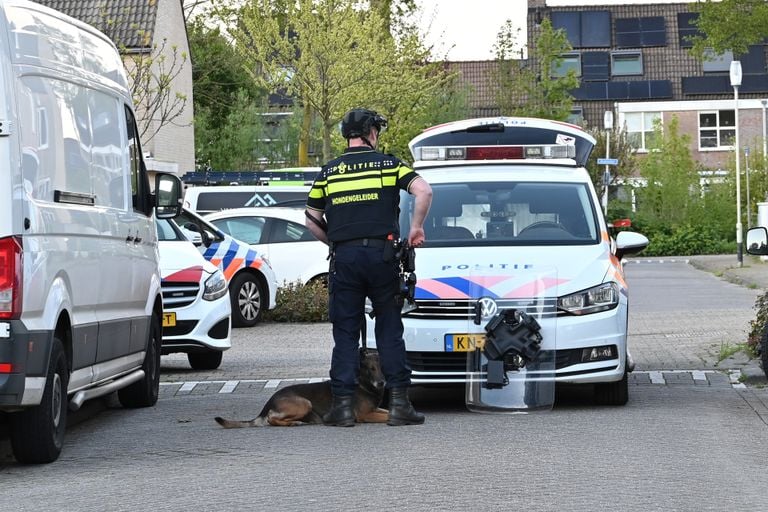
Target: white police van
x: 511, y: 197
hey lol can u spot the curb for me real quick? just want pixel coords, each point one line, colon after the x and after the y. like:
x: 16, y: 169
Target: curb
x: 753, y: 375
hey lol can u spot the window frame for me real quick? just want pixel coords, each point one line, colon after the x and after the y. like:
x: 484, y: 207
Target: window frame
x: 644, y: 130
x: 626, y: 53
x: 554, y: 73
x: 718, y: 128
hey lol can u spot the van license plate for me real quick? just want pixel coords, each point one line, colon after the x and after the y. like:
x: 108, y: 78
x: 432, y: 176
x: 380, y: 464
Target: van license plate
x: 169, y: 319
x: 464, y: 342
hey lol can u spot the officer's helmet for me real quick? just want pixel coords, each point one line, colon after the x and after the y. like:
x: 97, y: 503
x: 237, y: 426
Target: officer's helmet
x: 358, y: 122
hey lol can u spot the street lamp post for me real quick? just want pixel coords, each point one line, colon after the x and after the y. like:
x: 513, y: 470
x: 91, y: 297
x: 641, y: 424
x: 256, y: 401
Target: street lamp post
x: 608, y: 125
x: 765, y: 142
x: 746, y: 169
x: 735, y: 73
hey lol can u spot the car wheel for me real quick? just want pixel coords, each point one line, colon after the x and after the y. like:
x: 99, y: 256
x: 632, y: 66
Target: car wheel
x: 248, y: 300
x: 37, y: 434
x: 206, y: 360
x: 612, y: 393
x: 144, y: 392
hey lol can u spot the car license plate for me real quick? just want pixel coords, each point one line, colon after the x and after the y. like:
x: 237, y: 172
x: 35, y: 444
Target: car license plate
x: 464, y: 342
x: 169, y: 319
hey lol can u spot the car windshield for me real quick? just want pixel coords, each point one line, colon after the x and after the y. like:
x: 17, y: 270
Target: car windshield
x: 525, y: 213
x: 166, y: 231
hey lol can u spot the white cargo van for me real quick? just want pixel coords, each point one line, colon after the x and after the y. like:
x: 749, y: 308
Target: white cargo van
x: 80, y: 294
x: 514, y: 216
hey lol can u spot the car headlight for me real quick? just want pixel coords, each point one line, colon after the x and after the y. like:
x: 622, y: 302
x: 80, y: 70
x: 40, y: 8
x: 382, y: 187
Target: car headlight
x: 592, y: 300
x: 215, y: 286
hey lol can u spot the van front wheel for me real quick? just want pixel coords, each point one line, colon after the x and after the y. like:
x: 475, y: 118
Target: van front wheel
x: 37, y: 434
x: 144, y: 393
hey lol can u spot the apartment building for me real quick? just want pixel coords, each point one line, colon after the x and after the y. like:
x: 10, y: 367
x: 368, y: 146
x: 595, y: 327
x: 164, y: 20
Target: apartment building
x: 634, y: 60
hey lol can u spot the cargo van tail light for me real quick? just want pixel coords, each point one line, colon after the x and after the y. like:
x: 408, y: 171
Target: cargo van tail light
x: 10, y: 278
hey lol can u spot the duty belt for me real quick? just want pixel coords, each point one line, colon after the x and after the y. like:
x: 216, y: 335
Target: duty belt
x: 362, y: 242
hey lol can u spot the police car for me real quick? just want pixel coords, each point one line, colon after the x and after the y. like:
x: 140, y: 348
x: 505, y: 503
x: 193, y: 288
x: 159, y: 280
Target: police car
x: 515, y: 221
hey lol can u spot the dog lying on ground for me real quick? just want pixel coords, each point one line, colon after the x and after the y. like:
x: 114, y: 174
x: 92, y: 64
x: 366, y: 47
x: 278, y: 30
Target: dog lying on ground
x: 301, y: 404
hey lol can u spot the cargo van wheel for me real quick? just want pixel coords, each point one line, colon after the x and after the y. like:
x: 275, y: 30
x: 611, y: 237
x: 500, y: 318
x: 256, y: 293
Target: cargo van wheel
x: 248, y: 299
x: 206, y: 360
x: 144, y: 393
x: 37, y: 434
x: 612, y: 393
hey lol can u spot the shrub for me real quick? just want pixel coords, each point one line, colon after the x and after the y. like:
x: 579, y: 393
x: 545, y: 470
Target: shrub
x: 298, y: 302
x: 685, y: 240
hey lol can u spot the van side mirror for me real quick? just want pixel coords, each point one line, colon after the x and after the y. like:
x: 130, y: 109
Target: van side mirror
x: 167, y: 196
x: 629, y: 242
x: 757, y: 241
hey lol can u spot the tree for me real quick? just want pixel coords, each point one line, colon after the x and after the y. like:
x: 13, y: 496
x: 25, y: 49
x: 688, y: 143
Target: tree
x: 333, y: 55
x: 730, y: 25
x: 523, y: 90
x: 672, y: 193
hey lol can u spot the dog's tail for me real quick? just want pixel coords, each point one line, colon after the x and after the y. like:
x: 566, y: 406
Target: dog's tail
x: 256, y: 422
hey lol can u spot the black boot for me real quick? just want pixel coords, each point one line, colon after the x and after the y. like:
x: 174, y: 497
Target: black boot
x: 342, y: 413
x: 401, y: 412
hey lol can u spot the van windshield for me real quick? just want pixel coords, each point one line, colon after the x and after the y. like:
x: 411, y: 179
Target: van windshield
x: 497, y: 213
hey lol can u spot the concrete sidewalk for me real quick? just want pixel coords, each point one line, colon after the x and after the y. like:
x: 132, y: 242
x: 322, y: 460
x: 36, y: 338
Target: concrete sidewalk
x: 753, y: 273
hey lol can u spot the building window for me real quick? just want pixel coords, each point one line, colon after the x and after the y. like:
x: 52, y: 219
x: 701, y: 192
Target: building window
x: 640, y: 129
x: 568, y: 61
x: 626, y: 63
x: 576, y: 116
x: 716, y: 63
x: 717, y: 130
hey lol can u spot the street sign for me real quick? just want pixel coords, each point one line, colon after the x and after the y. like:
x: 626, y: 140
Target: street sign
x: 607, y: 161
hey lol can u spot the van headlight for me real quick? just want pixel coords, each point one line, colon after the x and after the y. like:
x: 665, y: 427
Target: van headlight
x: 215, y: 286
x: 592, y: 300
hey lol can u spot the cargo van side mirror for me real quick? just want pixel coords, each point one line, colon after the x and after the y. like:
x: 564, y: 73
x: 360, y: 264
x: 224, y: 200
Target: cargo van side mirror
x: 167, y: 196
x: 757, y: 241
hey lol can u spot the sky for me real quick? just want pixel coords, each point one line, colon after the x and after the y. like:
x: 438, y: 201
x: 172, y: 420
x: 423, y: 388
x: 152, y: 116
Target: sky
x: 467, y: 30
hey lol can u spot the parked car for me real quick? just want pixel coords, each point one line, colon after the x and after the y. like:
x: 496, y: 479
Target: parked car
x: 294, y: 253
x: 196, y: 307
x: 252, y: 282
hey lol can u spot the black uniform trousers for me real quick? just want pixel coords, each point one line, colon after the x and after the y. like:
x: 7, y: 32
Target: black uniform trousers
x: 358, y: 272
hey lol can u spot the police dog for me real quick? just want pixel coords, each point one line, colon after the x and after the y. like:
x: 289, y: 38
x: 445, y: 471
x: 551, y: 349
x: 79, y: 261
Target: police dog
x: 301, y: 404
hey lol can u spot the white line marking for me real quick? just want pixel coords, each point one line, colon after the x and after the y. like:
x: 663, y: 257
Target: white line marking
x: 187, y: 386
x: 316, y: 379
x: 229, y: 386
x: 273, y: 383
x: 698, y: 375
x: 657, y: 378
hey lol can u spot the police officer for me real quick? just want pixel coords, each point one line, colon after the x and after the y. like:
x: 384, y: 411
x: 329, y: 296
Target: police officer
x: 353, y: 206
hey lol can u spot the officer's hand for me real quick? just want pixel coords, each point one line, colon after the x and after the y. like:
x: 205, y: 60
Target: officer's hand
x: 416, y: 237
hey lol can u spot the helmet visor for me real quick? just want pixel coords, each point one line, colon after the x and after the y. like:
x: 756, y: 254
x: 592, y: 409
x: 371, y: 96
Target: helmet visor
x: 380, y: 123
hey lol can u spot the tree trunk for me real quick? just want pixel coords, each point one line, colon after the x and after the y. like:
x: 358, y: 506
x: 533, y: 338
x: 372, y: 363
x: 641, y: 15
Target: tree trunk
x: 306, y: 124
